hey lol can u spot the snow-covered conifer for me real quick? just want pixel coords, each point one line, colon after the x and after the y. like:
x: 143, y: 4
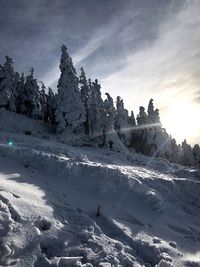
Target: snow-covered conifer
x: 151, y: 111
x: 85, y: 90
x: 157, y: 116
x: 122, y: 125
x: 110, y: 113
x: 174, y: 151
x: 187, y: 157
x: 8, y: 81
x: 30, y: 104
x: 196, y: 155
x: 19, y: 93
x: 131, y: 120
x: 70, y: 109
x: 43, y: 102
x: 151, y: 139
x: 153, y: 114
x: 97, y: 113
x: 110, y: 137
x: 51, y: 106
x: 142, y: 118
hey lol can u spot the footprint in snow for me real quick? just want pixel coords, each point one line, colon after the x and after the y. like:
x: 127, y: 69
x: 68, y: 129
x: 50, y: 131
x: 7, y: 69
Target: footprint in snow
x: 43, y: 224
x: 26, y: 165
x: 156, y: 240
x: 13, y: 213
x: 172, y: 244
x: 15, y: 195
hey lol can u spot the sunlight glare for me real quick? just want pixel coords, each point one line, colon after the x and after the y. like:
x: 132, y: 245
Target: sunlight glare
x: 181, y: 121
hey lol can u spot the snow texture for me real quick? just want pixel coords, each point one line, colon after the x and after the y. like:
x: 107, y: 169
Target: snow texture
x: 50, y: 193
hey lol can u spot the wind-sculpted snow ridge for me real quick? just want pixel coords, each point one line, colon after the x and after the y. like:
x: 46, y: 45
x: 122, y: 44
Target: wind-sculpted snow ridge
x: 51, y: 194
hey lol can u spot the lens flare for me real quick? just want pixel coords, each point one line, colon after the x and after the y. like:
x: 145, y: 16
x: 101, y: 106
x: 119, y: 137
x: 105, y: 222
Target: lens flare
x: 10, y: 143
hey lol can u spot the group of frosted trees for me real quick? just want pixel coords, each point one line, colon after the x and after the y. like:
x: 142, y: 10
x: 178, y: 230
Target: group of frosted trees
x: 78, y: 109
x: 23, y: 95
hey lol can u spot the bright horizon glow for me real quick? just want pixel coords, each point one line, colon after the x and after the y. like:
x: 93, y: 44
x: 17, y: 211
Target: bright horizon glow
x: 180, y: 120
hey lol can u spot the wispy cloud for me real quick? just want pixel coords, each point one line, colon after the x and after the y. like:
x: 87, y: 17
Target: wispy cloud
x: 93, y: 44
x: 109, y: 46
x: 168, y: 69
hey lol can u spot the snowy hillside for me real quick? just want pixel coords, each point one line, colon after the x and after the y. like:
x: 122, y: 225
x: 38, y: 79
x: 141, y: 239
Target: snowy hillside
x: 50, y: 193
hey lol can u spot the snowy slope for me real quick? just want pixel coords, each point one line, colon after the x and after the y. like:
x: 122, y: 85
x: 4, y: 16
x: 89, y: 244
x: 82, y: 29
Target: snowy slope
x: 49, y: 194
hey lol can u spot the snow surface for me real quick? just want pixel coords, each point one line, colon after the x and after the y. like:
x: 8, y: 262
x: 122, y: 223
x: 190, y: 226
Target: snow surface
x: 50, y: 193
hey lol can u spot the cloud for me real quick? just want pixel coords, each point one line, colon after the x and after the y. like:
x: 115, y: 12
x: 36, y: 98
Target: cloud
x: 33, y: 32
x: 109, y: 46
x: 81, y: 54
x: 94, y: 43
x: 166, y: 70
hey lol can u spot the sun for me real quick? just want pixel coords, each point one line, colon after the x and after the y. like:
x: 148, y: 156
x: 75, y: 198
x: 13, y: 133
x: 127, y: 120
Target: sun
x: 181, y: 121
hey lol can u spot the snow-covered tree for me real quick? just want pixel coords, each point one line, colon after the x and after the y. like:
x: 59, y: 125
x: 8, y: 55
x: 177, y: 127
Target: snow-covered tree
x: 109, y: 119
x: 159, y: 143
x: 19, y: 93
x: 142, y: 118
x: 59, y: 118
x: 96, y: 112
x: 151, y: 111
x: 157, y: 116
x: 187, y: 157
x: 51, y: 106
x: 70, y: 109
x: 175, y: 151
x: 30, y: 104
x: 8, y: 83
x: 111, y: 138
x: 148, y: 138
x: 196, y: 155
x: 110, y: 113
x: 122, y: 125
x: 153, y: 114
x: 43, y: 102
x: 85, y: 90
x: 131, y: 120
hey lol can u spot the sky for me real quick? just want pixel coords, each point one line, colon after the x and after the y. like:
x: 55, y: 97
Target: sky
x: 138, y: 49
